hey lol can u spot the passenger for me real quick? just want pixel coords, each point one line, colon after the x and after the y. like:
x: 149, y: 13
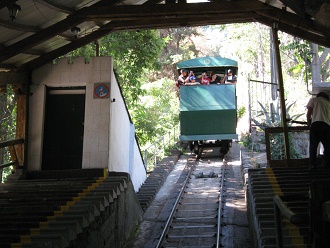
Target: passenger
x: 183, y: 78
x: 204, y: 79
x: 229, y: 78
x: 192, y: 79
x: 318, y: 119
x: 215, y: 79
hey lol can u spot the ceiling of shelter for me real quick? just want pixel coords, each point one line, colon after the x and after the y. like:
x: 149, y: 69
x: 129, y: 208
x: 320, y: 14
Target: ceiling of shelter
x: 44, y: 29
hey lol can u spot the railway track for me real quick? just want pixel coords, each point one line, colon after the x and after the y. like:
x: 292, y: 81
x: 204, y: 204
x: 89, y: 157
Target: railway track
x: 196, y: 217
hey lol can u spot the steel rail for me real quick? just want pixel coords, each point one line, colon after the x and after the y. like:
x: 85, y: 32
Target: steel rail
x: 170, y: 218
x: 219, y: 228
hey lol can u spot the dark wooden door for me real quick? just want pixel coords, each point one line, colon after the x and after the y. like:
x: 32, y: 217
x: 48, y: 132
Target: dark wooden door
x: 63, y: 132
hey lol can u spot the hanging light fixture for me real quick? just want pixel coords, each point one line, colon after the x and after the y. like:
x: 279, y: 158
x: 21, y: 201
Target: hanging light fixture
x: 75, y: 31
x: 13, y: 9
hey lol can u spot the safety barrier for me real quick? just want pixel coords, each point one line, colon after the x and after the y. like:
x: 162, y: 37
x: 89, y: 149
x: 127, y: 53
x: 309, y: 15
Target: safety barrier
x: 156, y: 150
x: 289, y: 161
x: 280, y: 209
x: 14, y: 161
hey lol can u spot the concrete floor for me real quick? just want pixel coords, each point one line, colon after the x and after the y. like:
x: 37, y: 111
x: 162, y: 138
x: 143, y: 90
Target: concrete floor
x: 235, y: 228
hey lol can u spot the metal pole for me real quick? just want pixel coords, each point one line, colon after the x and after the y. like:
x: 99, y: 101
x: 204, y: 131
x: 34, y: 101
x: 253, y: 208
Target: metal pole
x: 278, y: 226
x: 281, y: 91
x: 155, y: 153
x: 250, y: 114
x: 174, y: 132
x: 146, y: 159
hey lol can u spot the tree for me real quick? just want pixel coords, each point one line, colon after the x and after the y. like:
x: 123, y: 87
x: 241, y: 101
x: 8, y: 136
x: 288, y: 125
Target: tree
x: 320, y: 63
x: 158, y: 112
x: 310, y: 59
x: 180, y: 46
x: 134, y: 52
x: 7, y: 123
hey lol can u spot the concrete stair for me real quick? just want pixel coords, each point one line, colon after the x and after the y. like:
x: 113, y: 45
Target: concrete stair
x: 52, y: 212
x: 156, y: 179
x: 293, y: 185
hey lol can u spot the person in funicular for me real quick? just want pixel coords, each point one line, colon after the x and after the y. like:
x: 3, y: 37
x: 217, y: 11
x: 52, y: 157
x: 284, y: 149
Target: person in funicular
x: 215, y: 79
x: 204, y: 79
x: 229, y: 78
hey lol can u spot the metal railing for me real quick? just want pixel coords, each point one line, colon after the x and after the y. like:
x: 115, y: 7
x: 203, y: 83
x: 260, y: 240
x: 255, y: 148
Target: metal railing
x: 14, y: 160
x: 286, y: 161
x: 280, y: 209
x: 156, y: 150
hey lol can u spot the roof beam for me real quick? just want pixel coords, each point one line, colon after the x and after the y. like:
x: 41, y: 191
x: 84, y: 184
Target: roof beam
x: 14, y: 77
x: 295, y: 31
x: 290, y: 19
x: 43, y: 35
x: 66, y: 48
x: 39, y: 37
x: 177, y: 22
x: 126, y: 25
x: 160, y: 11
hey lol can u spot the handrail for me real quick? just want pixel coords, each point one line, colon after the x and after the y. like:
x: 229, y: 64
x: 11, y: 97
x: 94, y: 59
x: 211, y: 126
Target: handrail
x: 14, y: 160
x: 4, y: 144
x: 159, y: 145
x: 293, y: 162
x: 280, y: 209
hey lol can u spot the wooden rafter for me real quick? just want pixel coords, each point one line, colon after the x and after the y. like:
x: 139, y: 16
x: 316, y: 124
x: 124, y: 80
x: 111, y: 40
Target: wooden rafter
x: 43, y: 35
x: 288, y: 18
x: 295, y: 31
x: 39, y: 37
x: 131, y: 12
x: 110, y: 17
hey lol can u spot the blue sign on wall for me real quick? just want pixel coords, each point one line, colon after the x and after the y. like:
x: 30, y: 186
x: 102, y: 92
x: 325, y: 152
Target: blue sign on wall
x: 101, y: 90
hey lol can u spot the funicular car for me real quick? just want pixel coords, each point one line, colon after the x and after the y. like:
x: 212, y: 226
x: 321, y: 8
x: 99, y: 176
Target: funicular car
x: 208, y: 113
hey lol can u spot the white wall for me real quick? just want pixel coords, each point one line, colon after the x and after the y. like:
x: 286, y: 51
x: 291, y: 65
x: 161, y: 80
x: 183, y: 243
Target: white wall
x: 107, y: 127
x: 120, y: 138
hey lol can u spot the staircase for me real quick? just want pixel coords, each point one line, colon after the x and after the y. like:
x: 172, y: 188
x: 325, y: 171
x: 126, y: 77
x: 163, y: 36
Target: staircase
x: 80, y: 208
x: 293, y: 186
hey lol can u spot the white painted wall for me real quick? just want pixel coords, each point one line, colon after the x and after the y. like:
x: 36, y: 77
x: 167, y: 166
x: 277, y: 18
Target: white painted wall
x: 108, y: 140
x: 120, y: 138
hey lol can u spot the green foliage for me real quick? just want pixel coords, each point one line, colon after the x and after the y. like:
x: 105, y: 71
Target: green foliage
x: 304, y: 54
x: 272, y: 118
x: 168, y: 149
x: 241, y: 112
x: 158, y: 111
x: 246, y: 140
x: 8, y: 125
x: 277, y: 147
x: 180, y: 46
x: 133, y: 52
x: 277, y: 139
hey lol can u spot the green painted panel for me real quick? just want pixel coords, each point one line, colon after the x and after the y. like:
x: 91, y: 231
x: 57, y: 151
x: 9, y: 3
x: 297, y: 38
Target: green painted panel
x: 208, y: 110
x: 208, y: 122
x: 207, y: 97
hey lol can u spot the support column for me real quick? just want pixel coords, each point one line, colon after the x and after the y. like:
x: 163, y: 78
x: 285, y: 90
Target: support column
x: 281, y: 91
x: 21, y: 127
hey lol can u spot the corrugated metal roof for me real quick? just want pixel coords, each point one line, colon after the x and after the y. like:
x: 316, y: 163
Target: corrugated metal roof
x: 42, y: 32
